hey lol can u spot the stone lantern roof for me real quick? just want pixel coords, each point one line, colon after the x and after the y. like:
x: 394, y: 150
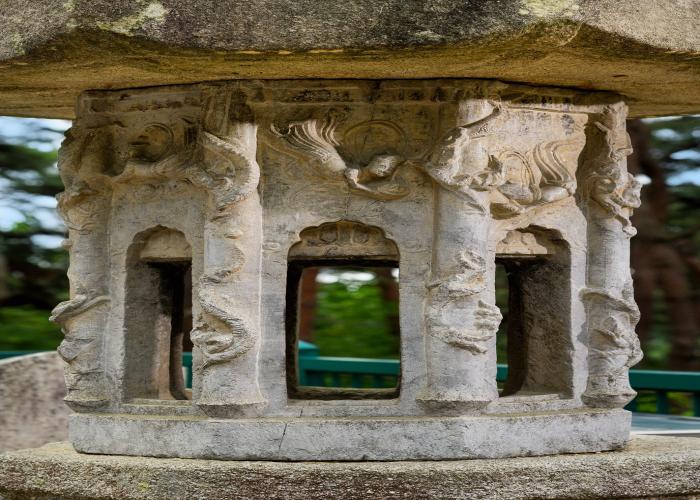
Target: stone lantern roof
x: 51, y: 50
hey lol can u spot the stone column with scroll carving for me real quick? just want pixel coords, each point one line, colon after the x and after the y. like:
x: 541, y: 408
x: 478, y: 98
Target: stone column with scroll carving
x: 461, y: 320
x: 227, y: 329
x: 610, y: 194
x: 84, y: 206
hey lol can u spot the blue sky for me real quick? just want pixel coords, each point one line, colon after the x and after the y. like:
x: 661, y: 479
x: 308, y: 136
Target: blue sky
x: 16, y: 130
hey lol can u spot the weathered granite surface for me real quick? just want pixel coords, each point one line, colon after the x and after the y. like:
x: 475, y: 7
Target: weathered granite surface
x: 50, y: 50
x: 650, y: 467
x: 32, y: 411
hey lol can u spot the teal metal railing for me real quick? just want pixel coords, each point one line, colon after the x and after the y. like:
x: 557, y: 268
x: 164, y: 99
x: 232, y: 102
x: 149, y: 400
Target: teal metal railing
x: 361, y: 373
x: 187, y: 368
x: 12, y: 354
x: 662, y: 383
x: 324, y: 371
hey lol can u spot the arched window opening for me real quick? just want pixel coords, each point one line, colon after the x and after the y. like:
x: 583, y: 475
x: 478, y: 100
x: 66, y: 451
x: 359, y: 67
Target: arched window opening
x: 157, y: 315
x: 534, y: 267
x: 343, y: 297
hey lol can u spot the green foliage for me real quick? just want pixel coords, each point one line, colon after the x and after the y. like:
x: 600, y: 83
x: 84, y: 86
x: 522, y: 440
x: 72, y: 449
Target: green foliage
x: 352, y: 320
x: 674, y: 199
x: 27, y: 329
x: 32, y: 266
x: 679, y: 403
x: 29, y: 171
x: 684, y: 215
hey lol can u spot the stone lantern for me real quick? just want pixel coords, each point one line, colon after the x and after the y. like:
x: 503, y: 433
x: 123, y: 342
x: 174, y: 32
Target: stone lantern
x: 219, y: 151
x: 240, y: 183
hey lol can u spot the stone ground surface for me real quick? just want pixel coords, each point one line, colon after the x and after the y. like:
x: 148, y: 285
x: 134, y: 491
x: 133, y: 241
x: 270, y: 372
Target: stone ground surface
x: 32, y: 412
x: 651, y: 467
x: 53, y: 49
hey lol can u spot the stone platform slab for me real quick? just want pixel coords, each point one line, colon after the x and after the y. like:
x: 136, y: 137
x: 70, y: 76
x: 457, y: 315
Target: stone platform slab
x: 355, y: 438
x: 650, y: 467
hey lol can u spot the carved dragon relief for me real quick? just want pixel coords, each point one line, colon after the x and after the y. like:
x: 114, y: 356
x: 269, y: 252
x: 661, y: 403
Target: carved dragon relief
x: 80, y: 347
x: 219, y: 346
x: 380, y: 178
x: 231, y: 174
x: 467, y: 280
x: 614, y: 345
x: 615, y: 191
x: 512, y: 180
x: 220, y: 335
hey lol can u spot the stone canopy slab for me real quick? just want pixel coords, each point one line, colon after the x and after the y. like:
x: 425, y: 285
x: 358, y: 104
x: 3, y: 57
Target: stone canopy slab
x: 51, y: 50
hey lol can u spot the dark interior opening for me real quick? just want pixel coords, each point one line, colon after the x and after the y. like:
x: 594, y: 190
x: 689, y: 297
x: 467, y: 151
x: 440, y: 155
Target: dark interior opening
x: 514, y: 326
x: 369, y: 280
x: 534, y: 334
x: 174, y: 295
x: 157, y: 319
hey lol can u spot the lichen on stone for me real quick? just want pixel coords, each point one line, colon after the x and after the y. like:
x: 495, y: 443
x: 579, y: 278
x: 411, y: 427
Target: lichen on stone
x: 154, y: 12
x: 547, y: 8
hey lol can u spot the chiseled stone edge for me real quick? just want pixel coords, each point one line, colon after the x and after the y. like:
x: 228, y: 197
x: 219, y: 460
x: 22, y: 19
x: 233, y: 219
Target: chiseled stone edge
x: 352, y: 438
x: 649, y: 467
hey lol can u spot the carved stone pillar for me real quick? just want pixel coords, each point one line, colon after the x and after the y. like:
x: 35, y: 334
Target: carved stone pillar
x: 227, y: 330
x: 84, y: 206
x: 461, y: 319
x: 610, y: 194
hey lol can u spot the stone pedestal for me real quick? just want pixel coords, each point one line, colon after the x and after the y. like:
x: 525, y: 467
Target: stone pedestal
x: 650, y: 467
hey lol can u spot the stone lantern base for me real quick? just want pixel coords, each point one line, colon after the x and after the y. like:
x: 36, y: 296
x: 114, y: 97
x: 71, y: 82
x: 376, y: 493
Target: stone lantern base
x: 650, y: 467
x: 353, y: 438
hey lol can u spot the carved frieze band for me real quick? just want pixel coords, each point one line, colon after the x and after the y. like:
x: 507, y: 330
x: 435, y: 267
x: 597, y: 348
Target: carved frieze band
x: 465, y: 159
x: 460, y: 161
